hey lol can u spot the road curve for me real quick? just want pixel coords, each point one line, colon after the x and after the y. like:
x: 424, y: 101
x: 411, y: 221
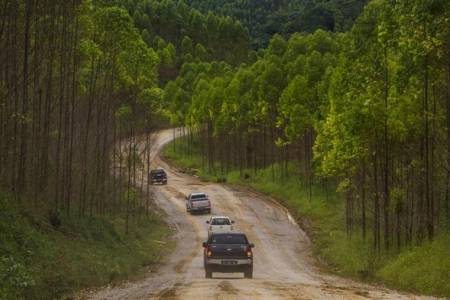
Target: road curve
x: 283, y: 266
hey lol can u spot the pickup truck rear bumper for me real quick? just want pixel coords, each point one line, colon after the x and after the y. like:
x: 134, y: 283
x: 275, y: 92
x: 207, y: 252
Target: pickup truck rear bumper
x: 229, y: 261
x: 159, y: 180
x: 229, y: 265
x: 202, y: 208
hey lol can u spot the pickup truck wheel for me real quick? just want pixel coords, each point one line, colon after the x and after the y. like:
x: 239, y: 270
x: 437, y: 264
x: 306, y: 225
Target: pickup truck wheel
x: 208, y: 272
x: 248, y: 273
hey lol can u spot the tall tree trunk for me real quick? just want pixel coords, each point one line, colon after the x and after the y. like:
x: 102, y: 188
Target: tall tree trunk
x: 376, y: 209
x: 363, y: 200
x: 447, y: 190
x: 429, y: 224
x: 62, y: 83
x: 21, y: 181
x: 386, y: 155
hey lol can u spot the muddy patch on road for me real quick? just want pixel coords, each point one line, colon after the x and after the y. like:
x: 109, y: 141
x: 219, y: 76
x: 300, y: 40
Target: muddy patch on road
x: 227, y: 287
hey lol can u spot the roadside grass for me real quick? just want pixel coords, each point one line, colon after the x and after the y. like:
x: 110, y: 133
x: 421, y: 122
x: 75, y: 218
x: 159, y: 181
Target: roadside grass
x: 425, y: 268
x: 422, y: 269
x: 38, y: 261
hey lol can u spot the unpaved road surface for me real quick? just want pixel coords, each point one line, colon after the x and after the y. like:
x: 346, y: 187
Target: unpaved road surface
x: 283, y: 266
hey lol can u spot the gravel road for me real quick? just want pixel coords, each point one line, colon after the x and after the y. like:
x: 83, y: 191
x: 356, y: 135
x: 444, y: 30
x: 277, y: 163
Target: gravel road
x: 283, y: 265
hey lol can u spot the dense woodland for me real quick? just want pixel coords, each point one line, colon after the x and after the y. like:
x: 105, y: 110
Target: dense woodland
x: 182, y: 34
x: 366, y: 111
x: 264, y: 18
x: 75, y: 78
x: 361, y: 106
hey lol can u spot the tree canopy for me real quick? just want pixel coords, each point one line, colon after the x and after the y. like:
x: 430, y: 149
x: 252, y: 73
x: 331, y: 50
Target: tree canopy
x: 264, y: 18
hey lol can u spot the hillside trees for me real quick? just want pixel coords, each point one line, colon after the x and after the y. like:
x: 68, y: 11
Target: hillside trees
x: 268, y: 17
x: 195, y: 36
x: 367, y: 109
x: 254, y: 108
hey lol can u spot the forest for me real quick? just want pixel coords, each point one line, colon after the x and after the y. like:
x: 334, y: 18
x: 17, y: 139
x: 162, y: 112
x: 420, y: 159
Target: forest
x: 268, y: 17
x: 354, y: 98
x: 365, y: 113
x: 182, y: 34
x: 80, y: 83
x: 367, y: 110
x: 76, y: 78
x: 72, y: 75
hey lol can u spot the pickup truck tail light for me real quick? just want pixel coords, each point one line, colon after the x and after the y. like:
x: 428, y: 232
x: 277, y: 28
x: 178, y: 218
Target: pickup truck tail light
x: 249, y: 252
x: 208, y: 252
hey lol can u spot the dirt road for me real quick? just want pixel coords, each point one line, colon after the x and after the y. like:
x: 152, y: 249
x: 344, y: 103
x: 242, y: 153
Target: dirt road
x: 283, y: 266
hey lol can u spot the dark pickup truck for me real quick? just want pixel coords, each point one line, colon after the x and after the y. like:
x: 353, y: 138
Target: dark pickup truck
x: 228, y: 253
x: 157, y: 176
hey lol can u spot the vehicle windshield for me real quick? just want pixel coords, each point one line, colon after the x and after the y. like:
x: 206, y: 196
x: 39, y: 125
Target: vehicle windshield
x: 220, y: 221
x: 229, y: 239
x: 197, y: 197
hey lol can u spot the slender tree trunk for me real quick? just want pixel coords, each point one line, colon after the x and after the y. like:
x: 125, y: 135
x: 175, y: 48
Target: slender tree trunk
x: 447, y: 191
x: 148, y: 151
x: 429, y: 223
x: 386, y: 156
x: 130, y: 146
x: 62, y: 71
x: 21, y: 180
x: 43, y: 186
x: 363, y: 200
x: 376, y: 209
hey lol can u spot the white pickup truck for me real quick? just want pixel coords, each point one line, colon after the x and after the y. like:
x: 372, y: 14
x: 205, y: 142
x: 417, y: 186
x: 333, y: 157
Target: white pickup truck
x: 198, y: 202
x: 219, y: 224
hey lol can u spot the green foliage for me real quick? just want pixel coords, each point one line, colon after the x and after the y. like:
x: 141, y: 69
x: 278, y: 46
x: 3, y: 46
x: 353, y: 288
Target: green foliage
x: 221, y: 38
x: 422, y: 269
x: 371, y: 105
x: 14, y: 277
x: 264, y: 18
x: 112, y: 44
x: 251, y: 96
x: 40, y: 262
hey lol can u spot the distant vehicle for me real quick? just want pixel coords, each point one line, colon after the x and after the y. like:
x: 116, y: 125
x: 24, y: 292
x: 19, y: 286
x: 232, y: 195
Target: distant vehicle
x: 198, y: 202
x: 157, y: 176
x: 228, y: 253
x: 217, y: 224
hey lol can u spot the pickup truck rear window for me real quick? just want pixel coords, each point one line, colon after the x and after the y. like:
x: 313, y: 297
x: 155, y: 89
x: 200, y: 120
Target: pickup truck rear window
x: 198, y: 197
x: 220, y: 221
x: 157, y: 172
x: 229, y: 239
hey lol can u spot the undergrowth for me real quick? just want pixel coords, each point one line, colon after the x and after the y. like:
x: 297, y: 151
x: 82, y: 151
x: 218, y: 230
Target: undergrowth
x: 41, y: 261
